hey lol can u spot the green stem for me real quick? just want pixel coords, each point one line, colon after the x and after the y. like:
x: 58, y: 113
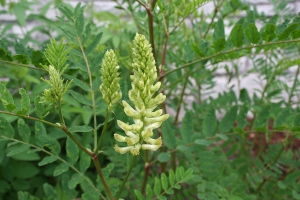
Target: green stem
x: 21, y: 65
x: 230, y: 51
x: 146, y: 172
x: 64, y: 128
x: 180, y: 101
x: 126, y: 177
x: 98, y: 167
x: 213, y: 18
x: 92, y: 91
x: 62, y: 121
x: 103, y: 130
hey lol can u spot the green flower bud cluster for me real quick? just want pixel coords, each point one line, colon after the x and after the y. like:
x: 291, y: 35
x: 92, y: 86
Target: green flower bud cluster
x: 58, y: 88
x: 110, y: 87
x: 138, y: 135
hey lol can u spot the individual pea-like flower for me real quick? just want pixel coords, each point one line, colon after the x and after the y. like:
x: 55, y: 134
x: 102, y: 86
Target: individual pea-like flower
x: 138, y: 135
x: 57, y: 87
x: 110, y: 87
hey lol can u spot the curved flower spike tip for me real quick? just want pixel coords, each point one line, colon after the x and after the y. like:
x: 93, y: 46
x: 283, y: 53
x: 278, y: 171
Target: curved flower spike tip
x: 110, y: 87
x: 142, y: 95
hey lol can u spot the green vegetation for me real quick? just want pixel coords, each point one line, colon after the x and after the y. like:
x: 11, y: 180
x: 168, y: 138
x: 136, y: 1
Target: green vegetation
x: 99, y: 110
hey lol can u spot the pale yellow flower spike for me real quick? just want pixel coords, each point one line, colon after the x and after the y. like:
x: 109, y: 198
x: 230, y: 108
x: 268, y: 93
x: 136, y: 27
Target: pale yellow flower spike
x: 138, y: 135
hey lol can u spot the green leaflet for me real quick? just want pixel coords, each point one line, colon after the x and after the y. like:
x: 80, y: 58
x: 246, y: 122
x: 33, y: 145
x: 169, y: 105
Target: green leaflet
x: 80, y: 98
x: 242, y: 116
x: 18, y: 149
x: 228, y: 120
x: 45, y: 140
x: 60, y: 169
x: 282, y: 120
x: 89, y: 196
x: 26, y: 196
x: 252, y: 33
x: 48, y: 160
x: 149, y: 192
x: 219, y: 31
x: 75, y: 180
x: 164, y: 181
x: 24, y: 130
x: 164, y: 157
x: 286, y: 33
x: 168, y: 135
x: 19, y: 11
x: 262, y: 117
x: 209, y: 123
x: 94, y: 43
x: 237, y: 35
x: 187, y: 129
x: 84, y: 161
x: 139, y: 195
x: 79, y: 18
x: 50, y: 192
x: 50, y: 142
x: 82, y: 129
x: 72, y: 151
x: 38, y: 58
x: 219, y: 44
x: 6, y: 128
x: 203, y: 142
x: 6, y: 98
x: 157, y: 186
x: 244, y: 96
x: 78, y: 82
x: 25, y: 102
x: 268, y: 32
x: 39, y: 107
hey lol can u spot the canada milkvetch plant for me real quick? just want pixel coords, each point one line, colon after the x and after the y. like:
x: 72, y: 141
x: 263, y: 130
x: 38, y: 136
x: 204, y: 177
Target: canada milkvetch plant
x: 142, y: 95
x: 97, y: 125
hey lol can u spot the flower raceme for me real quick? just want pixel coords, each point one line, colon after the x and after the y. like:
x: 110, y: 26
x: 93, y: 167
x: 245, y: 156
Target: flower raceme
x: 58, y: 88
x: 138, y: 135
x: 110, y: 87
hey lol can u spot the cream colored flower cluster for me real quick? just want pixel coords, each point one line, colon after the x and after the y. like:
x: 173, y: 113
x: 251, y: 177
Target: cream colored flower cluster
x: 142, y: 95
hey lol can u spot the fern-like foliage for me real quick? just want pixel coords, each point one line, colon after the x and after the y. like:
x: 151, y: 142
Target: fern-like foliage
x: 166, y: 184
